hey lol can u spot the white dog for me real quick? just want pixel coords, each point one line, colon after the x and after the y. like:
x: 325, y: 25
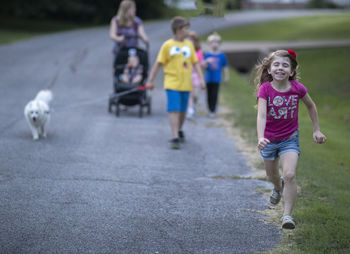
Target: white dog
x: 37, y: 113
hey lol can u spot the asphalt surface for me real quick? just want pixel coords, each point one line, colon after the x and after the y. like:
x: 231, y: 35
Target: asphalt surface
x: 102, y: 184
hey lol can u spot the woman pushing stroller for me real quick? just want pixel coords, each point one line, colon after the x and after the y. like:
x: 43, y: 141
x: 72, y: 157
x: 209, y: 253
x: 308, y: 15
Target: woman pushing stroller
x: 126, y: 28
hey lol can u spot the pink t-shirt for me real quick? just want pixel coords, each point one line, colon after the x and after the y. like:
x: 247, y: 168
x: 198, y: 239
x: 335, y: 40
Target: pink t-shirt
x: 195, y: 77
x: 282, y: 110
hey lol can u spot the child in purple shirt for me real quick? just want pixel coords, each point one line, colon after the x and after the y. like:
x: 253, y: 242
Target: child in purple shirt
x: 278, y: 95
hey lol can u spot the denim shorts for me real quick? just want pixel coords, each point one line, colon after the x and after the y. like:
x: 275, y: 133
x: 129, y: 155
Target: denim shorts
x: 177, y: 100
x: 275, y: 149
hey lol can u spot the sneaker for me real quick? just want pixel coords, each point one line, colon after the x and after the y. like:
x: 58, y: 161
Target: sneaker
x: 277, y: 194
x: 175, y: 143
x: 182, y: 137
x: 212, y: 115
x: 288, y: 222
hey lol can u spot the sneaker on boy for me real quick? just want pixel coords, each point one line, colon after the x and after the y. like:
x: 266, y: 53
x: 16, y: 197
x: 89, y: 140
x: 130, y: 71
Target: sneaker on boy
x: 175, y: 143
x: 288, y: 222
x: 277, y: 194
x: 182, y: 137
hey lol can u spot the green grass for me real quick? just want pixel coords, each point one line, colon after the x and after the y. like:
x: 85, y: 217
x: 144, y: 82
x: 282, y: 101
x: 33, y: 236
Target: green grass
x: 238, y: 92
x: 323, y: 206
x: 15, y: 29
x: 335, y: 26
x: 171, y: 12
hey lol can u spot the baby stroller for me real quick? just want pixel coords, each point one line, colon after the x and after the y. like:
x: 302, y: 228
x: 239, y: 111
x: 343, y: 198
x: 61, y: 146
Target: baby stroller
x: 128, y: 81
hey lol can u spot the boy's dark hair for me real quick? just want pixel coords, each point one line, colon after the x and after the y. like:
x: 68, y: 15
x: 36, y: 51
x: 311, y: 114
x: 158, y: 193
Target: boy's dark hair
x: 179, y: 22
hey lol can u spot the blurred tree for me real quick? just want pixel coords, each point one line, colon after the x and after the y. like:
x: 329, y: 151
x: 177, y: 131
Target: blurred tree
x: 78, y: 10
x: 217, y: 7
x: 220, y: 7
x: 150, y: 9
x: 321, y: 4
x: 232, y: 4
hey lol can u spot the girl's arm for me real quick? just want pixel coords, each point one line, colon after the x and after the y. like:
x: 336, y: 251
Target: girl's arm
x: 113, y: 32
x: 153, y: 74
x: 198, y: 69
x: 141, y: 32
x: 261, y: 123
x: 312, y: 110
x: 226, y: 74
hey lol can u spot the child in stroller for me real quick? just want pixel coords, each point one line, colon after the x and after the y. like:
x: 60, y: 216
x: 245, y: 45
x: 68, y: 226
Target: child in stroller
x: 133, y: 70
x: 130, y: 72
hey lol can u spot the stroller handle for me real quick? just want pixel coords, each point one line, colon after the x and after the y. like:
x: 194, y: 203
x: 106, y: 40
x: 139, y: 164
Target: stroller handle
x: 138, y: 37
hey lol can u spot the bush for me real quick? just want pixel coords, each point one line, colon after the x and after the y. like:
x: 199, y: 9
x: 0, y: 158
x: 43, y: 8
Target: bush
x: 89, y: 11
x: 321, y: 4
x: 232, y: 4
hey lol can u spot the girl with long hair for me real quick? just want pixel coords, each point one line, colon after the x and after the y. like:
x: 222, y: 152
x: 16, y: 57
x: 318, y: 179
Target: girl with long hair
x: 278, y: 95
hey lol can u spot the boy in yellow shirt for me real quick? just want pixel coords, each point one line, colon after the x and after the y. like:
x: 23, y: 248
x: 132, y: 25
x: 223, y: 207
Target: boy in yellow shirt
x: 177, y: 55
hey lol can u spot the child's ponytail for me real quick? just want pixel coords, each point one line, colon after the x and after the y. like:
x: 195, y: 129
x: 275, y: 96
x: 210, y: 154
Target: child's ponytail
x: 262, y: 74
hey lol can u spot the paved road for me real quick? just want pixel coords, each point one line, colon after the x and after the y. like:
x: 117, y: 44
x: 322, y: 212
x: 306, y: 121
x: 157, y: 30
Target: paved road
x: 101, y: 184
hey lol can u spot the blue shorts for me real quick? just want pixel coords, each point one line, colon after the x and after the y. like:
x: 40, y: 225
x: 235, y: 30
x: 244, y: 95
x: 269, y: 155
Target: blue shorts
x: 177, y: 100
x: 275, y: 149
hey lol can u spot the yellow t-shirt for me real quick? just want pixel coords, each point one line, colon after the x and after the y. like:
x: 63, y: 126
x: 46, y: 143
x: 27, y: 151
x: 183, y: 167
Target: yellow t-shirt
x: 177, y: 58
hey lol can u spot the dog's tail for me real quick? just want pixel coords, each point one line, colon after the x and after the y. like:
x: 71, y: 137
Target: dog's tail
x: 45, y: 95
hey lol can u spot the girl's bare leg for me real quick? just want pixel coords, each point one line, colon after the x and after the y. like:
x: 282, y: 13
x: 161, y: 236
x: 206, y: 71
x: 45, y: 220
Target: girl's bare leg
x: 289, y: 162
x: 190, y: 101
x: 273, y: 174
x: 194, y: 95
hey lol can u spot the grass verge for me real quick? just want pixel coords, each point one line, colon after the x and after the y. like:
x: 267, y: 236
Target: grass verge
x: 322, y: 209
x: 335, y: 26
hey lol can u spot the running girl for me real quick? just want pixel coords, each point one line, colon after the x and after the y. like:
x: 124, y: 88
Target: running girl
x: 278, y: 95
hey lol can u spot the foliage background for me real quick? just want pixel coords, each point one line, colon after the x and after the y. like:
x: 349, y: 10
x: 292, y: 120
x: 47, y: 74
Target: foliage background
x: 80, y: 11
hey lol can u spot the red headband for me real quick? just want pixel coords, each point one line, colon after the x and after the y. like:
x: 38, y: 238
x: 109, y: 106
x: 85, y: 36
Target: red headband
x: 292, y: 53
